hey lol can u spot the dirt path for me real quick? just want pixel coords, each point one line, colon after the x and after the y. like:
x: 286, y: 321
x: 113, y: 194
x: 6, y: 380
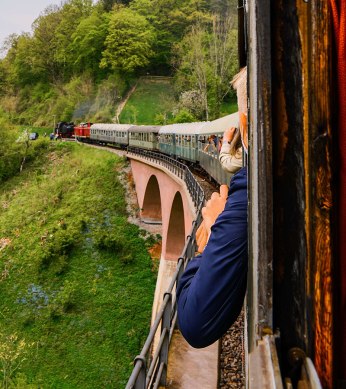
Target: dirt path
x: 123, y: 103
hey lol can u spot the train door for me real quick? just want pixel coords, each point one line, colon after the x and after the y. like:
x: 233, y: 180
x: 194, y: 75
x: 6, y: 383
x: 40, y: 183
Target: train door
x: 292, y: 192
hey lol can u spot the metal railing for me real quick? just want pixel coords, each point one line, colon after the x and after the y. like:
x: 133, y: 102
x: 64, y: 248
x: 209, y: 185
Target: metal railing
x: 150, y: 370
x: 177, y: 168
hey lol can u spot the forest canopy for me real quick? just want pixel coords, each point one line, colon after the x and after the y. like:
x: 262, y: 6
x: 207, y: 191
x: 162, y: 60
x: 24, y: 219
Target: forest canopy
x: 81, y: 58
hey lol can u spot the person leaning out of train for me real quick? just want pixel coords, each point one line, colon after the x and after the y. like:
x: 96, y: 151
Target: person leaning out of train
x: 211, y: 291
x: 231, y: 155
x: 211, y: 145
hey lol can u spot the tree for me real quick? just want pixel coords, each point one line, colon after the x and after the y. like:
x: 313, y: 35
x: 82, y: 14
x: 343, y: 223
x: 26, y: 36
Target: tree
x: 193, y: 102
x: 129, y: 41
x: 171, y: 20
x: 206, y: 60
x: 109, y: 4
x: 88, y: 42
x: 72, y: 13
x: 45, y: 43
x: 193, y: 65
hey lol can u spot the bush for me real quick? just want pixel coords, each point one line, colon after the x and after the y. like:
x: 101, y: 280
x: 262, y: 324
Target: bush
x: 57, y: 248
x: 113, y: 242
x: 64, y: 301
x: 184, y: 116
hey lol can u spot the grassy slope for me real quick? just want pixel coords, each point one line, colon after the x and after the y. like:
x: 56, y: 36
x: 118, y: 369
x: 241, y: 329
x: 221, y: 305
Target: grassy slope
x: 156, y: 97
x: 149, y: 99
x: 76, y: 281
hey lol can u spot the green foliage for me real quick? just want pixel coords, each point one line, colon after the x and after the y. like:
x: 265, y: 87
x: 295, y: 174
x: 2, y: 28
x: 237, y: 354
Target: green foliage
x: 88, y: 42
x: 129, y: 41
x: 151, y: 98
x: 13, y: 352
x: 206, y: 60
x: 17, y: 151
x: 64, y: 301
x: 109, y: 94
x: 62, y: 69
x: 57, y: 247
x: 184, y: 116
x: 171, y: 19
x: 88, y: 321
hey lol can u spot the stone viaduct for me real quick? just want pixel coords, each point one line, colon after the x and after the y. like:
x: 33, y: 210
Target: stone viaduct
x: 163, y: 199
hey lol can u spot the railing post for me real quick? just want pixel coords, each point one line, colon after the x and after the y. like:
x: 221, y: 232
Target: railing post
x: 141, y: 379
x: 166, y: 324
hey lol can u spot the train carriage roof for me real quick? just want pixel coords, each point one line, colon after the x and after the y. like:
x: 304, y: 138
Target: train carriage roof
x: 221, y: 124
x: 182, y: 128
x: 110, y: 126
x: 149, y: 129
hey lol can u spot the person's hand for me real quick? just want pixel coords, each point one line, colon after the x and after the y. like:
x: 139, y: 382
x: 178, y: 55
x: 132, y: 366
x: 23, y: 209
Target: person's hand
x: 201, y: 237
x: 229, y: 134
x: 210, y: 212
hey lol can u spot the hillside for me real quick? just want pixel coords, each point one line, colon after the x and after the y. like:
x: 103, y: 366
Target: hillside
x: 76, y: 280
x: 151, y: 102
x: 82, y: 57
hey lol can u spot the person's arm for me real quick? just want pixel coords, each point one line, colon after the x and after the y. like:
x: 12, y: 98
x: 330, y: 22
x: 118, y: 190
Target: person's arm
x: 230, y: 163
x: 211, y: 291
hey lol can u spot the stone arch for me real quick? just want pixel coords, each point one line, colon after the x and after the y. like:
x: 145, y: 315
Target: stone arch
x: 152, y: 210
x: 176, y: 229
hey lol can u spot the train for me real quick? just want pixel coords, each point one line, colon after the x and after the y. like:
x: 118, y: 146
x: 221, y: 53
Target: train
x: 196, y: 144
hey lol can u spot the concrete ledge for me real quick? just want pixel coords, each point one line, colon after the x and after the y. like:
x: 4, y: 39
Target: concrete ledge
x: 189, y: 367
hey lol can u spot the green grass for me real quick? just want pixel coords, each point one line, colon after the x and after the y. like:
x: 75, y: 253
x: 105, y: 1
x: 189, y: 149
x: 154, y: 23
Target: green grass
x: 40, y: 130
x: 76, y: 280
x: 151, y: 98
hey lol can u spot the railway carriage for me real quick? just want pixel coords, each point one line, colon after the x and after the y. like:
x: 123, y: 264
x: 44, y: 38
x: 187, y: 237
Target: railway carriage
x: 106, y: 133
x: 209, y: 144
x: 167, y: 141
x: 180, y: 140
x: 145, y: 137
